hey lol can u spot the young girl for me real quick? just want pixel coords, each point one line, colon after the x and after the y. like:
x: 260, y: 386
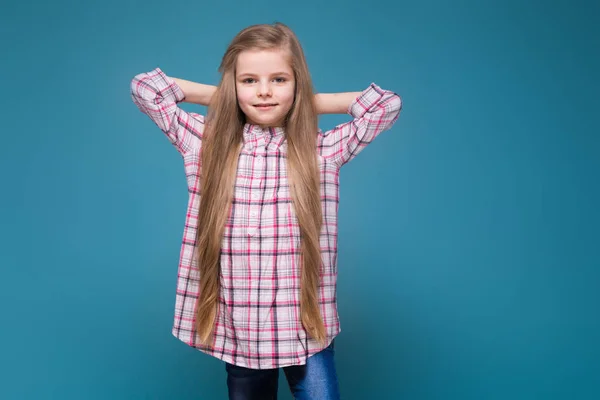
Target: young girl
x: 257, y: 273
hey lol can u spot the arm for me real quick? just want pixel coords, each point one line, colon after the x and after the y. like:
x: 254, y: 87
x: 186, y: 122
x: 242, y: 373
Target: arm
x: 157, y: 96
x: 374, y: 110
x: 196, y: 93
x: 335, y: 103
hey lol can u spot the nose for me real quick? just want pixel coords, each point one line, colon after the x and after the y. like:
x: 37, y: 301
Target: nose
x: 264, y: 89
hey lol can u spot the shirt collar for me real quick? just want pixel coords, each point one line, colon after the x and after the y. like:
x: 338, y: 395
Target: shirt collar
x: 271, y: 137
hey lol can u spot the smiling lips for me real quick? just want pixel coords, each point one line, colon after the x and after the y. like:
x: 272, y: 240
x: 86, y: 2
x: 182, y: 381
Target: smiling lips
x: 265, y: 105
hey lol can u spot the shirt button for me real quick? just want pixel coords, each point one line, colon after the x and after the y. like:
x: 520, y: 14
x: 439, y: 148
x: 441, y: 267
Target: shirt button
x: 253, y: 214
x: 255, y: 195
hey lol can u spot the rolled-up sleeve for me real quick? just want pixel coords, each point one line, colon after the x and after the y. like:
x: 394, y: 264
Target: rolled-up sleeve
x: 374, y: 111
x: 157, y: 96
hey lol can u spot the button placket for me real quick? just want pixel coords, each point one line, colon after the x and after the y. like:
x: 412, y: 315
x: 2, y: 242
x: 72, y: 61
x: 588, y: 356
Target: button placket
x: 254, y: 211
x: 253, y: 216
x: 255, y: 192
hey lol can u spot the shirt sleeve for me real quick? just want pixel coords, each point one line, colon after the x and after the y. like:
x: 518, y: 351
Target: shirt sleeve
x: 374, y: 111
x: 157, y: 96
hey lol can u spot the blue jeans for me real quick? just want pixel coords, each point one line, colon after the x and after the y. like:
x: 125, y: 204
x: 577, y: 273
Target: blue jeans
x: 316, y: 380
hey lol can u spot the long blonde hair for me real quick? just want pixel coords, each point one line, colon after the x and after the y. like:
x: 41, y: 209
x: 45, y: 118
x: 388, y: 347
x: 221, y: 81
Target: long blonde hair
x: 220, y: 152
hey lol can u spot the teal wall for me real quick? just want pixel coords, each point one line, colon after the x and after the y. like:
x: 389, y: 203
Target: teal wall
x: 469, y: 262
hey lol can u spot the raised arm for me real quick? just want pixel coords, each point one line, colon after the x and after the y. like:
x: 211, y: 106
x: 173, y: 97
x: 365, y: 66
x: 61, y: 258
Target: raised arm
x: 374, y: 110
x: 197, y: 93
x: 335, y: 103
x: 157, y: 95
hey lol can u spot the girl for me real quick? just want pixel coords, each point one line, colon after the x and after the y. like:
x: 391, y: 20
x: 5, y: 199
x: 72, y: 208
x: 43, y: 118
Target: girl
x: 257, y: 273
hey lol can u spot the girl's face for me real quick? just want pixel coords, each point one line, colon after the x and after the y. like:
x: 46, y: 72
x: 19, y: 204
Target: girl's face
x: 265, y: 86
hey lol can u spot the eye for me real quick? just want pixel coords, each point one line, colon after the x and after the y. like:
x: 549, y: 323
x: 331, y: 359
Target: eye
x: 248, y: 80
x: 280, y: 80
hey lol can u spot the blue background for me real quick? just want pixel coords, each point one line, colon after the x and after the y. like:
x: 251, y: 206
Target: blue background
x: 469, y: 233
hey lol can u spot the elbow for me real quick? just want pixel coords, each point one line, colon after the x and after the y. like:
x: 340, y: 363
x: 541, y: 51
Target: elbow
x: 392, y: 105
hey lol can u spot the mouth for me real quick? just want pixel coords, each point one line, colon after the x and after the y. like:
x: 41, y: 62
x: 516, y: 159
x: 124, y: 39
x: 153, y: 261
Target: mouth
x: 265, y: 105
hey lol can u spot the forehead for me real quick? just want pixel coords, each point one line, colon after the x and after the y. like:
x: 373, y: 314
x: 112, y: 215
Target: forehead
x: 263, y: 62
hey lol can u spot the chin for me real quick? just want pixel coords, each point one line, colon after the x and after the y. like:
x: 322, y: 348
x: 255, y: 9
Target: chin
x: 265, y: 122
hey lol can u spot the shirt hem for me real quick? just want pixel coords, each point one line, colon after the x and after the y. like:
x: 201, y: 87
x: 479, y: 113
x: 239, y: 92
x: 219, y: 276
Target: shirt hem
x: 228, y: 359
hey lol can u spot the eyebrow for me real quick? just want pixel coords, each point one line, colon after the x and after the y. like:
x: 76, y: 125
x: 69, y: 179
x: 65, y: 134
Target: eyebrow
x: 273, y: 74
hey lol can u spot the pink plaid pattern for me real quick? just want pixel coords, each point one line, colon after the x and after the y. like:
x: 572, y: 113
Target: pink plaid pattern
x: 258, y: 325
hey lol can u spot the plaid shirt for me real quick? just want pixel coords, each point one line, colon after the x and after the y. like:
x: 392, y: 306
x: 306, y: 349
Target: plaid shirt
x: 258, y: 325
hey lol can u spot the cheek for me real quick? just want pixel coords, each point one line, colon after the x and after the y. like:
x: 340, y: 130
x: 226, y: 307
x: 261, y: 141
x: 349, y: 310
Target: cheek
x: 288, y: 99
x: 243, y: 97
